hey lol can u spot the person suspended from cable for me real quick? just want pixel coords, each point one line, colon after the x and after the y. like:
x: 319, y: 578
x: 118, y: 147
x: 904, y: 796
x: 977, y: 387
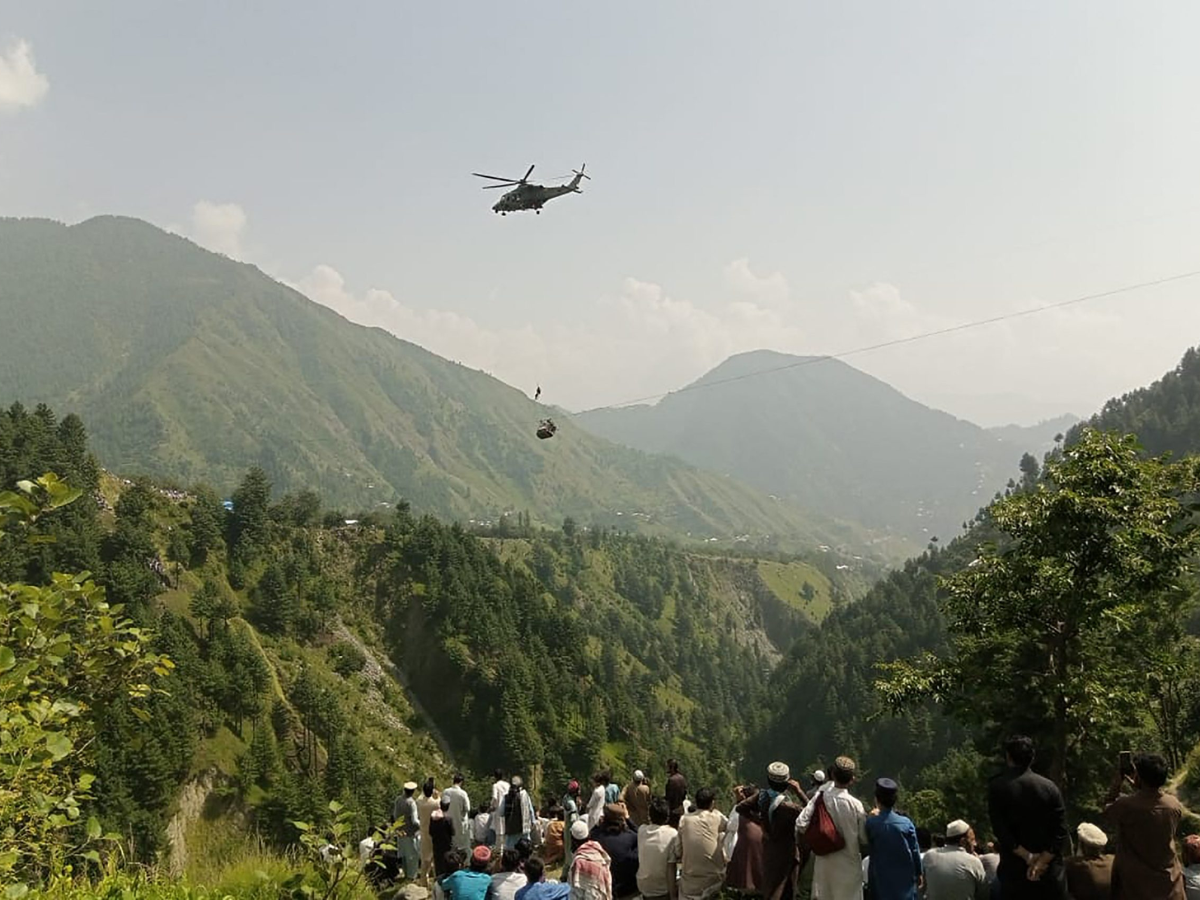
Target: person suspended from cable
x: 538, y: 393
x: 546, y: 429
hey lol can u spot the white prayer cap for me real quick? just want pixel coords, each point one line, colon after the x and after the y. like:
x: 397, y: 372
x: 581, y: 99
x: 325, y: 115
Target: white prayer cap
x: 819, y: 776
x: 957, y: 828
x: 579, y: 830
x: 778, y: 771
x: 410, y: 785
x: 1091, y: 835
x: 639, y: 776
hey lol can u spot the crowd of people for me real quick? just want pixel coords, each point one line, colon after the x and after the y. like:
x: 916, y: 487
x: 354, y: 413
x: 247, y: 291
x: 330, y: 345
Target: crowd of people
x: 784, y: 841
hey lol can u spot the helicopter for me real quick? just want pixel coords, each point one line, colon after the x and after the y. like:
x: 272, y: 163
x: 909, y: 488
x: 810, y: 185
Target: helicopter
x: 530, y: 196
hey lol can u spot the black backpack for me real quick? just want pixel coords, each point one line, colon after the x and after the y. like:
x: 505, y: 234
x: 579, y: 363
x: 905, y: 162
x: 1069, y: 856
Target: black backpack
x: 514, y: 818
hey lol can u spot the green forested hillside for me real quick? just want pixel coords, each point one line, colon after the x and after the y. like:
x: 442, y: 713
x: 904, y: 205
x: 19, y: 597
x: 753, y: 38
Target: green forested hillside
x: 189, y: 366
x: 1165, y: 415
x: 828, y: 678
x: 827, y: 436
x: 315, y: 659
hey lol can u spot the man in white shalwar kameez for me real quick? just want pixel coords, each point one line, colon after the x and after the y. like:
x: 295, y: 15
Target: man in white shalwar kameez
x: 838, y: 876
x: 460, y: 813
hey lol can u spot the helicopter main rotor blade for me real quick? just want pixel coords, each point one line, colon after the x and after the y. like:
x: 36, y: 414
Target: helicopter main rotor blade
x: 527, y: 174
x: 506, y: 184
x: 494, y: 177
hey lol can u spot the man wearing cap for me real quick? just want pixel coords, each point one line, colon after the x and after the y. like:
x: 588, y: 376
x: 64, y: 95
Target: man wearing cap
x: 1089, y: 875
x: 894, y: 863
x: 620, y: 842
x: 698, y: 851
x: 408, y: 830
x: 776, y: 809
x: 459, y: 813
x: 517, y: 815
x: 637, y: 799
x: 951, y: 872
x: 473, y: 882
x: 590, y: 874
x: 838, y: 875
x: 570, y: 803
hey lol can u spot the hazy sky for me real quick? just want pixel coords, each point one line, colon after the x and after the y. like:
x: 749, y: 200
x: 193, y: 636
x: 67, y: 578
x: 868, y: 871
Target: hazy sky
x: 806, y: 177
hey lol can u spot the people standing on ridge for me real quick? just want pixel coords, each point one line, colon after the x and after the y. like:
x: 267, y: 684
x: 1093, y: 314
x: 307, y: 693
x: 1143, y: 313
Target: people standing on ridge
x: 499, y: 792
x: 1089, y: 875
x: 408, y: 830
x: 653, y: 845
x: 459, y: 812
x: 838, y: 875
x: 427, y: 803
x: 698, y: 851
x: 1030, y: 824
x: 596, y: 802
x: 570, y: 803
x: 637, y: 799
x: 441, y: 836
x: 1145, y: 866
x: 952, y: 871
x: 612, y: 791
x: 675, y: 790
x: 517, y: 815
x: 894, y: 864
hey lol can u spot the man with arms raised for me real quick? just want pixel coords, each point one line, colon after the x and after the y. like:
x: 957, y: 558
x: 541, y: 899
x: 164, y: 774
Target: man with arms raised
x: 838, y: 875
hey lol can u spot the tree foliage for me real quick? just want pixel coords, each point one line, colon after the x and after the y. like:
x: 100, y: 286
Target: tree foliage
x: 66, y: 656
x: 1057, y: 631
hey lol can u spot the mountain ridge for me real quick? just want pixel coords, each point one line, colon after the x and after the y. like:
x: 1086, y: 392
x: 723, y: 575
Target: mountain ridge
x: 194, y: 367
x: 867, y: 452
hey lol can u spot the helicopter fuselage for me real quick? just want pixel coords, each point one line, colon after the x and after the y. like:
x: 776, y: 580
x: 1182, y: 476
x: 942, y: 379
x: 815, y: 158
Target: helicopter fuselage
x: 533, y: 196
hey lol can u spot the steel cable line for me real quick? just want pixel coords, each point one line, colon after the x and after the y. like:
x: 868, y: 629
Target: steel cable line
x: 962, y: 326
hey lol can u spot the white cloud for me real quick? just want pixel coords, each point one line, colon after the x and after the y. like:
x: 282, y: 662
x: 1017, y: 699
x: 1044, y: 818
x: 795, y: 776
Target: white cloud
x: 219, y: 227
x: 22, y: 86
x: 773, y: 289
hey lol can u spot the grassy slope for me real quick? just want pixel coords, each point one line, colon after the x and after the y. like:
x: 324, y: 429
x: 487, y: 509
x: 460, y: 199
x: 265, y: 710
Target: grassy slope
x: 192, y: 367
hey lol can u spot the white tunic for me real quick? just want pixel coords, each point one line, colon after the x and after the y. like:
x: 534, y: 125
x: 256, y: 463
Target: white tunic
x: 838, y: 876
x: 460, y: 814
x: 595, y: 807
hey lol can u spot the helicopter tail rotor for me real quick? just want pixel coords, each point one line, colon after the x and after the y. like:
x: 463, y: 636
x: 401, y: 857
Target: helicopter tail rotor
x: 580, y: 175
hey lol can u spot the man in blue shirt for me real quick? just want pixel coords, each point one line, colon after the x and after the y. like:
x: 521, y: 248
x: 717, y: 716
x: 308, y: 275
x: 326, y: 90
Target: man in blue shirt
x: 894, y: 866
x: 537, y: 888
x: 471, y: 883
